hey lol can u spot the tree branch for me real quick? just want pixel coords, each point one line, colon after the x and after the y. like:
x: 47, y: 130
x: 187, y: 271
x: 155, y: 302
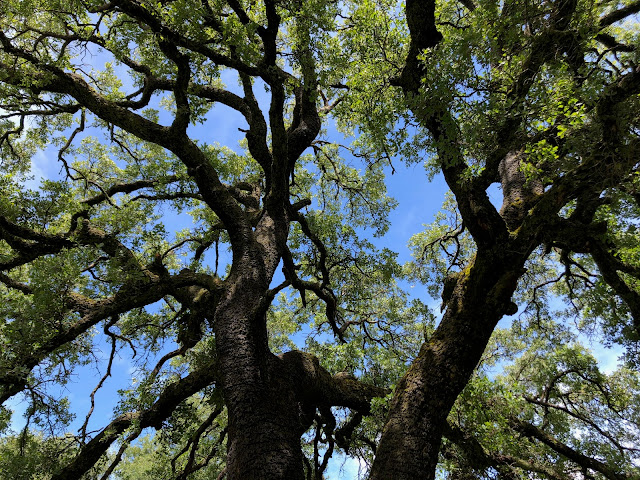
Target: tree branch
x: 127, y: 188
x: 532, y: 431
x: 167, y: 401
x: 481, y: 459
x: 318, y: 387
x: 620, y: 14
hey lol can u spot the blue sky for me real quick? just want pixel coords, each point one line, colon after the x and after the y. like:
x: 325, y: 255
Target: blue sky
x: 418, y: 202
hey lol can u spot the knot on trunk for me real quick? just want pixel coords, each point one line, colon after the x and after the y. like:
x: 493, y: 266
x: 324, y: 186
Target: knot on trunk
x: 449, y: 285
x: 519, y: 193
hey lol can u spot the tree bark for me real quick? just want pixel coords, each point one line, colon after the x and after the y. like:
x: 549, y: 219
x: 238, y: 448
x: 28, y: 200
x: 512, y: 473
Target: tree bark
x: 271, y: 400
x: 410, y: 441
x: 264, y: 423
x: 263, y: 435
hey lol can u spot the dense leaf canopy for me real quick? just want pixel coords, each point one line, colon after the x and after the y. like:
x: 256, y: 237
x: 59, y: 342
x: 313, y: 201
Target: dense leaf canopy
x: 215, y: 220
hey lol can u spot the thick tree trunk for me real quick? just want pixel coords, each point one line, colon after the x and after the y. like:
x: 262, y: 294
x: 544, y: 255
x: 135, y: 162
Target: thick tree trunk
x: 264, y: 435
x: 271, y: 400
x: 263, y: 428
x: 411, y: 438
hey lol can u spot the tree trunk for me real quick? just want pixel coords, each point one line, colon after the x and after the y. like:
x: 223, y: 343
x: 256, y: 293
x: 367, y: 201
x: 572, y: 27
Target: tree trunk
x: 263, y: 434
x: 410, y: 442
x: 264, y: 428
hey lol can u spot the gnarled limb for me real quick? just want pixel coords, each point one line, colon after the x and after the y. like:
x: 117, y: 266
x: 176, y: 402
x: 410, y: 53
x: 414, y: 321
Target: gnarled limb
x: 532, y: 431
x: 153, y: 416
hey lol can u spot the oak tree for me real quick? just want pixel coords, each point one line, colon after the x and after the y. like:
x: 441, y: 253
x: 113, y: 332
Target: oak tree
x: 206, y: 264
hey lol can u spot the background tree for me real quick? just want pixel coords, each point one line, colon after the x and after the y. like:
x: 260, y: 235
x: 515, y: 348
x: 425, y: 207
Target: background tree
x: 89, y: 250
x: 541, y: 98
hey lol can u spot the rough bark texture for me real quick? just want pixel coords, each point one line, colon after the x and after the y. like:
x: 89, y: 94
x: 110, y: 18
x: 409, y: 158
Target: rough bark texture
x: 272, y: 400
x: 519, y: 193
x: 411, y: 438
x: 481, y: 294
x: 262, y: 442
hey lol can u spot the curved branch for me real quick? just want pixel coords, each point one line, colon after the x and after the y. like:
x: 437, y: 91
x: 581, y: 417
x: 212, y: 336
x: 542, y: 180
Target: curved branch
x: 532, y: 431
x: 130, y: 296
x: 546, y: 404
x: 52, y: 78
x: 127, y: 188
x: 318, y: 387
x: 609, y: 266
x: 193, y: 443
x: 28, y: 244
x: 138, y: 12
x: 167, y: 401
x: 481, y: 459
x: 183, y: 111
x: 620, y: 14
